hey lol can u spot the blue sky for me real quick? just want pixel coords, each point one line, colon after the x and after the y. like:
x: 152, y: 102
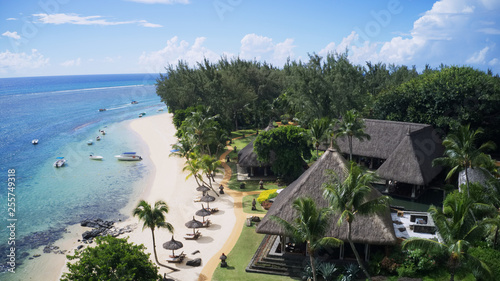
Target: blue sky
x: 67, y: 37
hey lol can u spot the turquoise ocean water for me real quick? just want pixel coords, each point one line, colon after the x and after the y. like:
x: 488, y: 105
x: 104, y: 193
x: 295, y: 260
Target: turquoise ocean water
x: 63, y: 113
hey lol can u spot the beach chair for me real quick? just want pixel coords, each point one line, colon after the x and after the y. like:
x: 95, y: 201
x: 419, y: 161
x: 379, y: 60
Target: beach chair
x: 197, y: 199
x: 191, y: 236
x: 214, y: 210
x: 176, y: 259
x: 206, y: 223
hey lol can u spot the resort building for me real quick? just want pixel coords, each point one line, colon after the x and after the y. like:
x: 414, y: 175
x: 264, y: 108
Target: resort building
x: 370, y: 233
x: 400, y: 152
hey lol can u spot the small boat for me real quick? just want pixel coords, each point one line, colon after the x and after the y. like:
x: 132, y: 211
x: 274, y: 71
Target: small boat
x: 128, y: 156
x: 35, y: 141
x: 140, y: 115
x: 134, y: 102
x: 143, y: 113
x: 103, y: 132
x: 95, y: 157
x: 98, y: 138
x: 90, y: 142
x: 161, y: 109
x: 59, y: 162
x: 102, y: 109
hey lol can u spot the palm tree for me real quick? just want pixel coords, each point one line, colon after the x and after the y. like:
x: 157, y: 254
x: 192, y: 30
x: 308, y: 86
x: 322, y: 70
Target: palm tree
x: 459, y: 229
x: 352, y: 126
x: 461, y: 152
x: 318, y: 131
x: 153, y: 218
x: 209, y: 165
x: 310, y: 226
x: 351, y: 197
x: 193, y: 166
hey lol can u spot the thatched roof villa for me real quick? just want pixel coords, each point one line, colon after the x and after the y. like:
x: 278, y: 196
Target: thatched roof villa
x: 249, y: 167
x: 401, y: 153
x: 367, y: 231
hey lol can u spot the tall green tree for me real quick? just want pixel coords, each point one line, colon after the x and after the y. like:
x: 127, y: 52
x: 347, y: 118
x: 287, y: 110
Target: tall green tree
x: 210, y: 166
x: 462, y: 152
x: 460, y: 230
x: 193, y: 166
x: 290, y: 146
x: 310, y: 226
x: 351, y: 125
x: 111, y: 259
x: 453, y: 95
x: 153, y: 217
x: 352, y: 197
x: 318, y: 130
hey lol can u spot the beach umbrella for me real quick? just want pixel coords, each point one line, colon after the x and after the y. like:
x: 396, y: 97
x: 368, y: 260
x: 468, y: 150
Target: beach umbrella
x: 203, y: 212
x: 203, y: 188
x: 194, y: 224
x: 207, y: 198
x: 172, y: 245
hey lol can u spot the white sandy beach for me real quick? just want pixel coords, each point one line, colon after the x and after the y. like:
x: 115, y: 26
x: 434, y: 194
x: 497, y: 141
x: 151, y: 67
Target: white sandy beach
x: 168, y: 183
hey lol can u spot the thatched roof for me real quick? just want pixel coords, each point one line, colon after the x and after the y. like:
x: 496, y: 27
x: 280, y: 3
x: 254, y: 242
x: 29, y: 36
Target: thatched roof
x: 248, y: 158
x: 411, y: 161
x: 373, y: 229
x: 408, y: 149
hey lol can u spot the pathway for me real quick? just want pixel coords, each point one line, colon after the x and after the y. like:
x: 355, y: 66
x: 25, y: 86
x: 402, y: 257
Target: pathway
x: 211, y: 265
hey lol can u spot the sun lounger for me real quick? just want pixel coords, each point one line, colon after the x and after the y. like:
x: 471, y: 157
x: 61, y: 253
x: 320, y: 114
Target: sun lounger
x: 176, y: 259
x: 191, y: 236
x: 206, y: 223
x: 213, y: 210
x: 197, y: 199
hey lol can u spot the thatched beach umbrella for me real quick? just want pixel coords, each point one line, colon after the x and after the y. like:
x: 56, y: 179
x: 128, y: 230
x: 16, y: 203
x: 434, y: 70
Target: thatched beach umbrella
x: 203, y: 212
x: 203, y: 188
x: 207, y: 198
x: 194, y: 224
x: 172, y: 245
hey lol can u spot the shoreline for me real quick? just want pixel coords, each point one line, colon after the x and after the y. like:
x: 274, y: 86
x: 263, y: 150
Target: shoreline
x: 166, y: 181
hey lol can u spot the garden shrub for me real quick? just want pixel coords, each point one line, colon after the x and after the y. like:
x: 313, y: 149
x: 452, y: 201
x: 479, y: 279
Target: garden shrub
x: 266, y: 195
x: 490, y: 256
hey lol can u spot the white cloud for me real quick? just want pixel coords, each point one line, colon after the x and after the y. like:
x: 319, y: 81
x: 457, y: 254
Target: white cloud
x: 161, y: 1
x: 11, y: 19
x: 12, y: 62
x: 478, y: 57
x: 69, y: 63
x: 490, y: 30
x: 12, y: 35
x: 88, y: 20
x: 443, y: 34
x: 177, y: 50
x: 263, y: 48
x: 493, y: 62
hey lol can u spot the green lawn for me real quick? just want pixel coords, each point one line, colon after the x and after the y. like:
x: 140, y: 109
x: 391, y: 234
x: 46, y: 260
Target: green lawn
x: 239, y: 258
x: 247, y: 205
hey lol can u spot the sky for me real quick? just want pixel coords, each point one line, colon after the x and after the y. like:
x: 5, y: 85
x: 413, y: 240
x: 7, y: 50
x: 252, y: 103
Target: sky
x: 72, y: 37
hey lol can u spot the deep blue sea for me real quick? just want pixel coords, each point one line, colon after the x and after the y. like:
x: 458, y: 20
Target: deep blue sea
x: 63, y: 113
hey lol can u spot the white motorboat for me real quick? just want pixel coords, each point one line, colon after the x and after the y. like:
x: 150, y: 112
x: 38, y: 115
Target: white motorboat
x: 95, y: 157
x: 59, y: 162
x: 103, y: 132
x: 128, y: 156
x: 35, y: 141
x: 98, y: 138
x: 90, y: 142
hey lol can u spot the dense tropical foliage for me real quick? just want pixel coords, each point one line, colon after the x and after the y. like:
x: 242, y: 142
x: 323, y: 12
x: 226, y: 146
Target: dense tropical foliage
x: 111, y: 259
x: 290, y: 147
